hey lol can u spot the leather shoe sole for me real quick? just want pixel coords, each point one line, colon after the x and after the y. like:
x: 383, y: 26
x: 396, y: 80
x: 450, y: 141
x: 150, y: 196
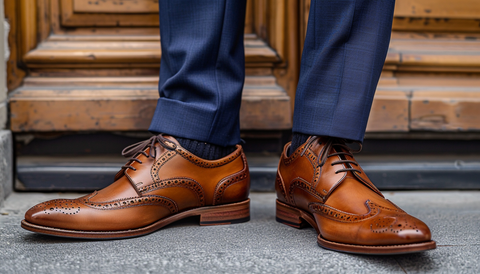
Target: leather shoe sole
x: 209, y: 215
x: 298, y: 218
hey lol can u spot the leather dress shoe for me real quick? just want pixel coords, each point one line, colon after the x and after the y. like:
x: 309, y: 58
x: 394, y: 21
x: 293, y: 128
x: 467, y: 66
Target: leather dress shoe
x: 322, y: 185
x: 162, y: 183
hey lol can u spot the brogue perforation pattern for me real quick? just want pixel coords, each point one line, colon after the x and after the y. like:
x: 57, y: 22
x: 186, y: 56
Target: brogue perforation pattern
x: 64, y: 206
x: 316, y: 175
x: 230, y: 180
x: 341, y: 216
x: 311, y: 156
x: 224, y: 184
x: 393, y: 223
x: 207, y: 164
x: 306, y: 187
x: 178, y: 182
x: 294, y: 156
x: 159, y: 163
x: 131, y: 202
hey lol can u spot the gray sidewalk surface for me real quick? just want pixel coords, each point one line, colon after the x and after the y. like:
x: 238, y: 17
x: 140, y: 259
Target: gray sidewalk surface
x: 259, y: 246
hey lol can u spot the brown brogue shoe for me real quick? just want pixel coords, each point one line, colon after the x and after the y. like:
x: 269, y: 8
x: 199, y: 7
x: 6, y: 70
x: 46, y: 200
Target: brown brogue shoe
x: 322, y: 184
x: 163, y: 183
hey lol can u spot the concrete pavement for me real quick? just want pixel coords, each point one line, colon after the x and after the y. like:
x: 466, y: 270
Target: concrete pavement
x: 259, y: 246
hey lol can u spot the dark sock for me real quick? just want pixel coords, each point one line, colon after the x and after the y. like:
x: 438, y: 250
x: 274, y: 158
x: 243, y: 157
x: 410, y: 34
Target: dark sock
x: 298, y: 139
x: 205, y: 150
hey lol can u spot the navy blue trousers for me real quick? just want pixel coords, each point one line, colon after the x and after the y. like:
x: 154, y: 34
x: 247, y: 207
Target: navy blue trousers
x: 203, y: 68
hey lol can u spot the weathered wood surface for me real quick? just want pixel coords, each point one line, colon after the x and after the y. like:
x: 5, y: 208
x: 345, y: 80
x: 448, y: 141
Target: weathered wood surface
x: 70, y: 104
x: 390, y: 112
x: 73, y: 18
x: 14, y: 73
x: 125, y: 53
x: 115, y: 6
x: 90, y: 105
x: 438, y: 9
x: 446, y: 110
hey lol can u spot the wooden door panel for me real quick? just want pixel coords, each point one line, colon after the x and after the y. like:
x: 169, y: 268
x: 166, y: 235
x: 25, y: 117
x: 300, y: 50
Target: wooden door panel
x: 70, y: 17
x: 115, y: 6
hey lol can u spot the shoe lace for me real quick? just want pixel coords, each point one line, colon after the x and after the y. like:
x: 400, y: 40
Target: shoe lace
x: 134, y: 150
x: 325, y: 153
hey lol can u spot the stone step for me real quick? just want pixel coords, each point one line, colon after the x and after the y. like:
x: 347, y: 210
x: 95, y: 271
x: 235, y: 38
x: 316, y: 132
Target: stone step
x: 388, y: 172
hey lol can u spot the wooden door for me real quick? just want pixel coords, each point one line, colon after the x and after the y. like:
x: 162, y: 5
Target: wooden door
x: 83, y: 65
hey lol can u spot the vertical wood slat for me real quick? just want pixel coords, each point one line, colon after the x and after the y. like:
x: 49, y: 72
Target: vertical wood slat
x: 15, y: 75
x: 287, y: 43
x: 28, y: 25
x: 303, y: 20
x: 43, y: 19
x: 277, y: 25
x: 55, y: 16
x: 260, y: 19
x: 249, y: 21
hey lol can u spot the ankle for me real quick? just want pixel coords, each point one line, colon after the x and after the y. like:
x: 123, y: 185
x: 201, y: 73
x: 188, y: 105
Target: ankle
x: 205, y: 150
x: 298, y: 139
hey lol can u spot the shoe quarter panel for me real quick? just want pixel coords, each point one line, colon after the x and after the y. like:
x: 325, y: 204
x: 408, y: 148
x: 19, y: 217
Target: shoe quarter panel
x: 185, y: 192
x: 293, y: 169
x: 234, y: 188
x: 207, y: 177
x: 297, y: 174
